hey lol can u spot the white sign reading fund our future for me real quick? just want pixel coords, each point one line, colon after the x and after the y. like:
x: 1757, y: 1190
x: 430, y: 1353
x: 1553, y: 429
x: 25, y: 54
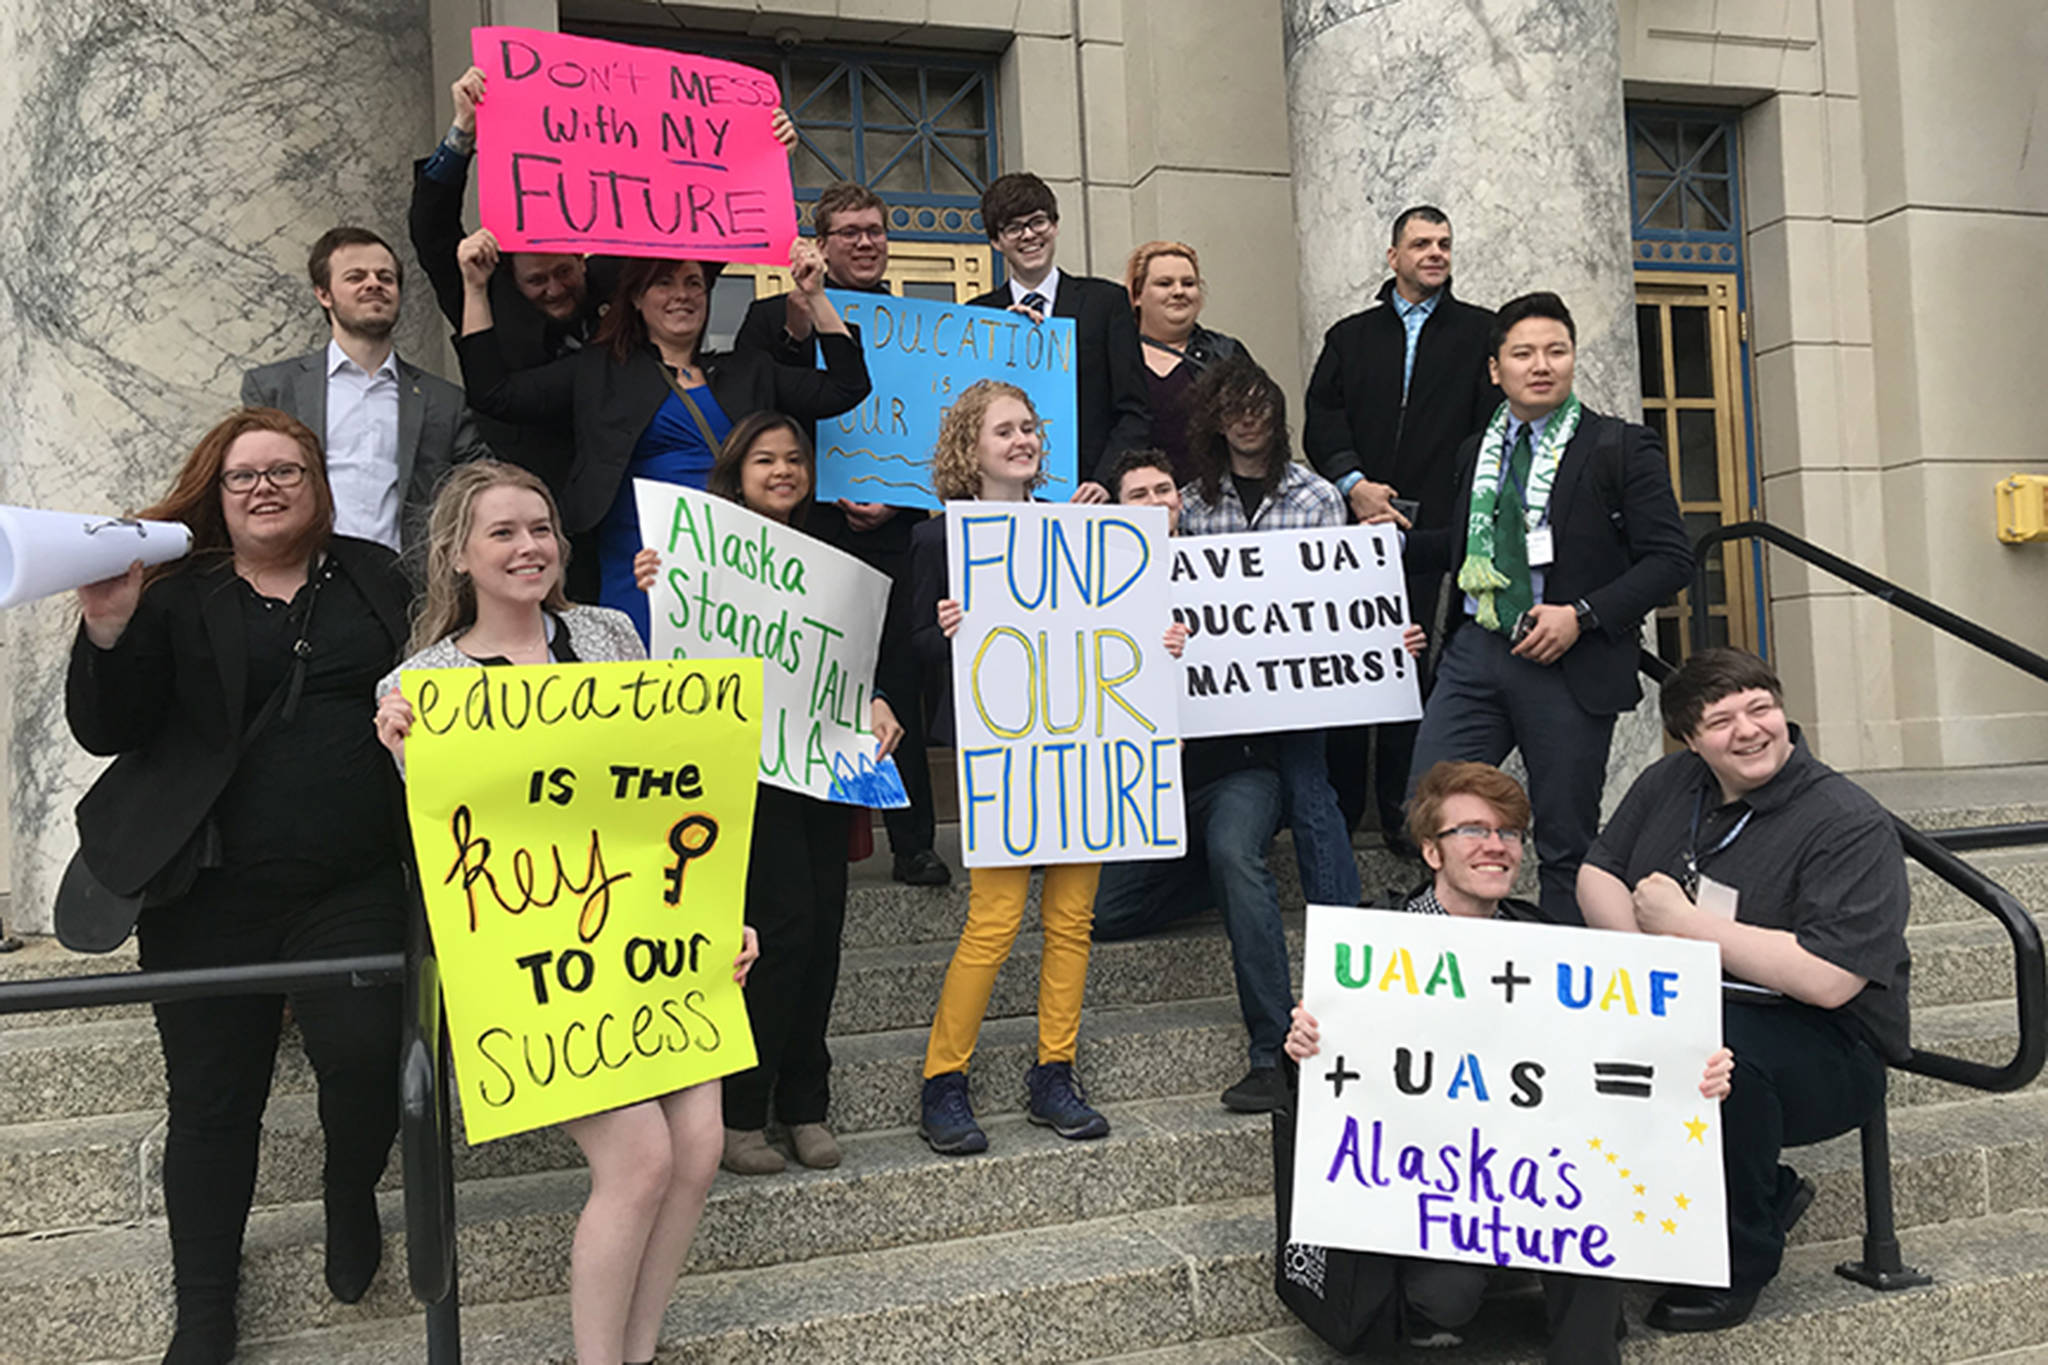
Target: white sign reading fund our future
x: 1517, y: 1095
x: 1063, y: 693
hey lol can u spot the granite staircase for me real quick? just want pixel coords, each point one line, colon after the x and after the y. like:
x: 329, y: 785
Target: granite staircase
x: 1151, y: 1245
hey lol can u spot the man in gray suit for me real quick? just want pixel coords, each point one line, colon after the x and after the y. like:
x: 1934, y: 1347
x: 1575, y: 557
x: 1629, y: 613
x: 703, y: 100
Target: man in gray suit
x: 390, y: 429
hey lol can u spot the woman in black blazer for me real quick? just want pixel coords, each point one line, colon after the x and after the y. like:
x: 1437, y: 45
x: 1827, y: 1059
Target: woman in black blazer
x: 251, y: 808
x: 644, y: 399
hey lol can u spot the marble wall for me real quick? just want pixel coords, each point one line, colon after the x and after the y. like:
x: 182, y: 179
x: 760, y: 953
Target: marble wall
x: 163, y: 169
x: 1508, y: 116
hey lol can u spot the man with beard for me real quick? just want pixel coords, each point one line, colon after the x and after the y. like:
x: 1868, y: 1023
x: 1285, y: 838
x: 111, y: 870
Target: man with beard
x: 390, y: 429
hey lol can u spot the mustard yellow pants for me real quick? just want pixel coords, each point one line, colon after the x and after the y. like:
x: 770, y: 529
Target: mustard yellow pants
x: 995, y: 908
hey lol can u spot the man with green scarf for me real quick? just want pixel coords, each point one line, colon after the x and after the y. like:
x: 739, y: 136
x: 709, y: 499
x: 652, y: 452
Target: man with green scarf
x: 1564, y: 536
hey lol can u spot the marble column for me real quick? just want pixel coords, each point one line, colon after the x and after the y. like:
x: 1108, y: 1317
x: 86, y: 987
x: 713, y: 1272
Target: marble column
x: 163, y: 169
x: 1506, y: 114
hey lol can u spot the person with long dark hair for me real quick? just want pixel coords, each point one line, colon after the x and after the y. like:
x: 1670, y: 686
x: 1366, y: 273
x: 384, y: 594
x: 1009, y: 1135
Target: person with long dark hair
x: 251, y: 811
x: 647, y: 399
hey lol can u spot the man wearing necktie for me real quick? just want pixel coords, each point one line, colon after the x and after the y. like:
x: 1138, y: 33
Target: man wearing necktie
x: 1564, y: 536
x: 1022, y: 218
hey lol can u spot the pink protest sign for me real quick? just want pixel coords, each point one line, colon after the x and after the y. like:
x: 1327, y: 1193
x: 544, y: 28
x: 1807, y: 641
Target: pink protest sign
x: 584, y: 145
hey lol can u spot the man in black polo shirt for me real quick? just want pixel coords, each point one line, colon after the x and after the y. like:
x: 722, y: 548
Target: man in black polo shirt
x: 1749, y: 841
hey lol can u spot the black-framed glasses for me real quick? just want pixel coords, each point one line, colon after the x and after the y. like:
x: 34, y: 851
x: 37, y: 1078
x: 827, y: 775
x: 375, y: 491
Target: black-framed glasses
x: 1037, y: 225
x: 1480, y: 833
x: 279, y: 475
x: 851, y: 235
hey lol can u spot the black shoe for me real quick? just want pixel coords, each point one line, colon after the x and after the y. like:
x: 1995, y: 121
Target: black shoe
x: 922, y: 868
x: 1700, y: 1310
x: 1793, y: 1203
x: 1400, y: 845
x: 206, y: 1333
x: 1260, y: 1092
x: 355, y: 1244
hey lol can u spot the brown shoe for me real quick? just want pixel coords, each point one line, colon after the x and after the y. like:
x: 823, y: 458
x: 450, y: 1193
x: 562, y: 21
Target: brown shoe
x: 747, y: 1153
x: 815, y: 1146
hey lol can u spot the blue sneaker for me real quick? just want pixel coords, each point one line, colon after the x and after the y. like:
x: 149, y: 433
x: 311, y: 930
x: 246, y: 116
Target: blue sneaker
x: 1057, y: 1103
x: 948, y: 1122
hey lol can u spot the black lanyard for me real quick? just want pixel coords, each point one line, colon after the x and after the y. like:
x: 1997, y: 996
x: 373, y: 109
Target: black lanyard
x: 1693, y: 856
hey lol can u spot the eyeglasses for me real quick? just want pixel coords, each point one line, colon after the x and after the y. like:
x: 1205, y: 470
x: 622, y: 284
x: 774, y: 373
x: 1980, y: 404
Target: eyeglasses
x: 1037, y: 225
x: 279, y: 475
x: 851, y: 235
x: 1479, y: 833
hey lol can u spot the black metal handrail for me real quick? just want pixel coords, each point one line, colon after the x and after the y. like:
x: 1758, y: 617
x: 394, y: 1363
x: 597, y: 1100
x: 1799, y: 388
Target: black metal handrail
x: 1912, y: 603
x: 423, y: 1093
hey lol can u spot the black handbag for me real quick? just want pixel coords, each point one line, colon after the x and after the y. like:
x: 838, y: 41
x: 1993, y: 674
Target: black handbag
x: 1345, y: 1297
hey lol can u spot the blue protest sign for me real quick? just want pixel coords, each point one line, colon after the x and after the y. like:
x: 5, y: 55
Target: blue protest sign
x: 919, y: 355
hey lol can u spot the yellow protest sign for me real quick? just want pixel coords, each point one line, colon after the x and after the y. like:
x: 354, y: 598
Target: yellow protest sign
x: 582, y: 834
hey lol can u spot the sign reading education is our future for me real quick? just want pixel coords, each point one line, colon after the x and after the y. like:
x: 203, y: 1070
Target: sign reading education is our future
x: 585, y: 145
x: 1068, y: 746
x: 920, y: 355
x: 1517, y: 1095
x: 1292, y: 630
x: 582, y: 834
x: 737, y: 585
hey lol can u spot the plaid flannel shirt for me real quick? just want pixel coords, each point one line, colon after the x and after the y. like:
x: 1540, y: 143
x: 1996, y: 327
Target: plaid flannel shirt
x: 1302, y: 502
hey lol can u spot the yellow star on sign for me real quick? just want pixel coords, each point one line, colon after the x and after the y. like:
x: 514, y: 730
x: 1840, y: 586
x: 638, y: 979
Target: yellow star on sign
x: 1669, y: 1226
x: 1594, y: 1143
x: 1696, y: 1130
x: 1612, y: 1158
x: 1640, y: 1216
x: 1639, y: 1191
x: 1624, y: 1173
x: 1681, y: 1201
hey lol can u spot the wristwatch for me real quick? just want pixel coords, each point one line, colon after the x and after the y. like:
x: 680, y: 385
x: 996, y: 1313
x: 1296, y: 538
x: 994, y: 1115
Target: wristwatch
x: 1588, y: 618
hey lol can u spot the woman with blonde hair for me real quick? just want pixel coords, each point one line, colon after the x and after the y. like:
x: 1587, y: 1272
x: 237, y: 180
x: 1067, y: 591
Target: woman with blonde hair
x: 1167, y: 292
x: 495, y: 558
x: 989, y: 448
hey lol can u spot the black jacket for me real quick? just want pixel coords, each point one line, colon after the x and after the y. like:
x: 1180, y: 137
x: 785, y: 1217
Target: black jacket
x: 606, y: 405
x: 1618, y: 542
x: 1356, y: 420
x: 1109, y: 376
x: 167, y: 701
x: 931, y: 650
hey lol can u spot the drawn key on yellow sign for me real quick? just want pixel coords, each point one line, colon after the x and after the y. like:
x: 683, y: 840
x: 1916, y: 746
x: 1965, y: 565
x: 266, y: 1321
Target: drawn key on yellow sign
x: 582, y: 834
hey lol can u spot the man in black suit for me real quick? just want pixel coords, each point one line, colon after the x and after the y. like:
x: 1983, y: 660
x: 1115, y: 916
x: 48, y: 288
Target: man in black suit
x: 852, y: 224
x: 1396, y: 389
x: 1564, y: 535
x: 1022, y: 218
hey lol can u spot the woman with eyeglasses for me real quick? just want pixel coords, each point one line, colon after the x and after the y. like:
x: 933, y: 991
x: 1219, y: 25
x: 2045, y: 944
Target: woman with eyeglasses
x: 646, y: 399
x: 1167, y: 293
x: 251, y: 814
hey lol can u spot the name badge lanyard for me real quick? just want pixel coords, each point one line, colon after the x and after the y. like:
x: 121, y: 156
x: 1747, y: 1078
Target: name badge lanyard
x: 1693, y: 856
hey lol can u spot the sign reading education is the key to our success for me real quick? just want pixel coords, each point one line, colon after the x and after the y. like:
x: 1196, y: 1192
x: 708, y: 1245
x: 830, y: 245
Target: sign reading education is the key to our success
x: 590, y: 146
x: 1292, y: 630
x: 582, y: 834
x: 1516, y: 1095
x: 734, y: 584
x: 920, y: 356
x: 1067, y: 745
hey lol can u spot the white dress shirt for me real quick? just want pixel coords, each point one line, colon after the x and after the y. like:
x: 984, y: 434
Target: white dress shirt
x: 1049, y: 286
x: 362, y: 447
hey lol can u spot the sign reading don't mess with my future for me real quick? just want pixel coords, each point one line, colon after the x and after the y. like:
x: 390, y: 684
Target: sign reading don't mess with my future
x: 585, y: 145
x: 1516, y: 1095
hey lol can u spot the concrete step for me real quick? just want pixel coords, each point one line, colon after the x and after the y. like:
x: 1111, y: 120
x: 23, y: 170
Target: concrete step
x: 2022, y: 871
x: 1198, y: 1279
x: 1948, y: 798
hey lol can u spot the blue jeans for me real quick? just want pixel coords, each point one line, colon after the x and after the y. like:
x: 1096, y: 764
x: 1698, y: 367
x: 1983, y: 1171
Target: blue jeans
x: 1322, y: 841
x: 1231, y: 821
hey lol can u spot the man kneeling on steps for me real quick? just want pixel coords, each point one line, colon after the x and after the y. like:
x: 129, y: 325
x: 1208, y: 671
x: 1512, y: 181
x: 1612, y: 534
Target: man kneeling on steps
x: 1746, y: 839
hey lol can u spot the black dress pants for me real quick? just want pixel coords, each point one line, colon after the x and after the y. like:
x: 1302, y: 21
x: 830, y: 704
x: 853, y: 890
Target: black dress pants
x: 219, y: 1053
x: 1801, y: 1075
x: 912, y: 827
x: 796, y: 901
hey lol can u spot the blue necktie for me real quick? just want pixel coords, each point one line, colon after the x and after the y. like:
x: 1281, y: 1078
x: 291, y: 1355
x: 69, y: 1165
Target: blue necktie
x: 1036, y: 302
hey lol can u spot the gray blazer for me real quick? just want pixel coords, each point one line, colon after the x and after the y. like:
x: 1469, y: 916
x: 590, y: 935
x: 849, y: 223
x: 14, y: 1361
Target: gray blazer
x: 435, y: 430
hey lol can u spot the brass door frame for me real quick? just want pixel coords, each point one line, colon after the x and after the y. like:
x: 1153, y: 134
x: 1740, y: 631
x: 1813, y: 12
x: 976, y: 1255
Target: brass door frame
x: 1719, y: 294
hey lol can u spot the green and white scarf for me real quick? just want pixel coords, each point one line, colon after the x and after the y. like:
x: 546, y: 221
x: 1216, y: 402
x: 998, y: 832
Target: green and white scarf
x: 1479, y: 576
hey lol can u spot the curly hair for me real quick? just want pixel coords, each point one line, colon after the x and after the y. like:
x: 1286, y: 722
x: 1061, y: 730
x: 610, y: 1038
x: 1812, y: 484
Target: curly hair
x: 1446, y: 780
x: 724, y: 479
x: 448, y: 602
x: 1228, y: 390
x: 195, y: 498
x: 956, y: 459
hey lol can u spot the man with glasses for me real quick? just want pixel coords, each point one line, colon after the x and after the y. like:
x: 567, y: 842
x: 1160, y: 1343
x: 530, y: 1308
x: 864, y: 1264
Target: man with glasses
x: 852, y: 224
x: 1746, y: 840
x: 1022, y: 218
x: 390, y: 429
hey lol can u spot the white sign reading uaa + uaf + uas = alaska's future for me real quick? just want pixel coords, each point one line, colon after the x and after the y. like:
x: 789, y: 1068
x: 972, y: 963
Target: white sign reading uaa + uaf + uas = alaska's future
x: 1517, y: 1095
x: 1068, y: 744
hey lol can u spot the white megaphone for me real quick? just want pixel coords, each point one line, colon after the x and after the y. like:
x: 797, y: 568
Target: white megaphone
x: 48, y: 552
